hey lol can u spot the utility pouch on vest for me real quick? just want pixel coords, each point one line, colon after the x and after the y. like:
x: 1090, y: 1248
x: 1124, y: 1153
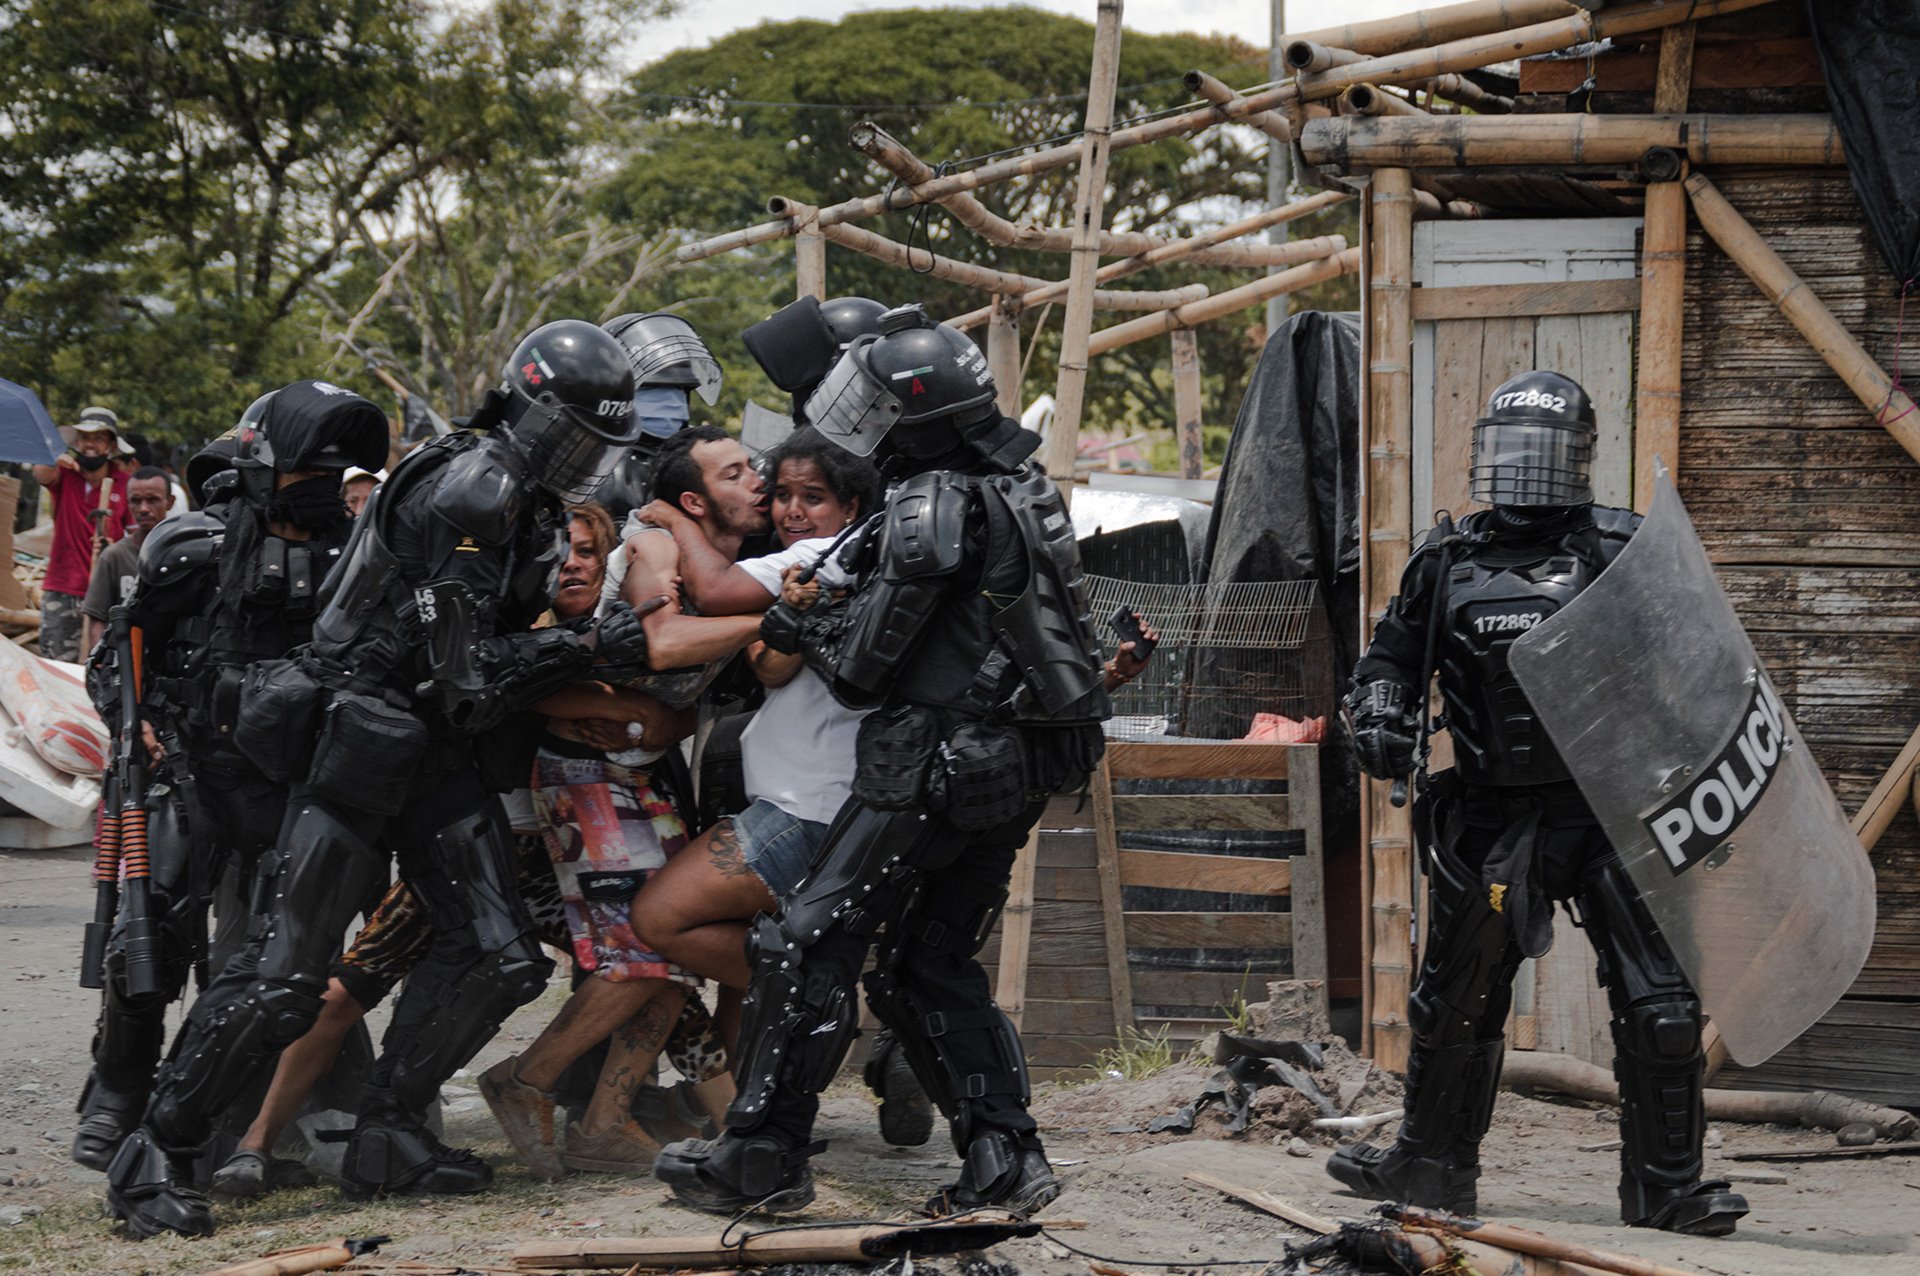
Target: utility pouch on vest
x: 368, y: 754
x: 983, y: 771
x: 277, y: 719
x: 892, y: 757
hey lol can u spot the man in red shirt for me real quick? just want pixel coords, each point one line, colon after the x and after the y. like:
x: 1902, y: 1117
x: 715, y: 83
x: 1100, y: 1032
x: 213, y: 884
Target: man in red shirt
x: 76, y: 481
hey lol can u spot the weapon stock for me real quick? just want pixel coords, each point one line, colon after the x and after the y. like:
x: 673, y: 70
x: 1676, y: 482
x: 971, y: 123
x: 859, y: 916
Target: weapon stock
x: 140, y: 938
x: 1446, y: 536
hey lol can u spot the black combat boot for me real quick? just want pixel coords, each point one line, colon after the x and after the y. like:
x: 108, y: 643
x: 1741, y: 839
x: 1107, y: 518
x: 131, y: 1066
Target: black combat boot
x: 147, y: 1186
x: 998, y: 1171
x: 392, y: 1153
x: 1708, y: 1208
x: 106, y: 1118
x: 906, y: 1113
x: 735, y: 1172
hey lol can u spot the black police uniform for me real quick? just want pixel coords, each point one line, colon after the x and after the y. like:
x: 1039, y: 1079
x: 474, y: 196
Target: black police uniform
x: 968, y: 631
x: 217, y: 591
x: 420, y: 653
x: 1506, y: 833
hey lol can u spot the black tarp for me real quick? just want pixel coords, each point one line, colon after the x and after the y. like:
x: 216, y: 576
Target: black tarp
x: 1870, y: 55
x: 1285, y: 511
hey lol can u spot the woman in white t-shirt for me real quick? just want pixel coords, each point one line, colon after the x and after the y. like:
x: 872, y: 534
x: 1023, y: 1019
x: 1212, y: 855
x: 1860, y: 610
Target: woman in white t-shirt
x: 797, y: 752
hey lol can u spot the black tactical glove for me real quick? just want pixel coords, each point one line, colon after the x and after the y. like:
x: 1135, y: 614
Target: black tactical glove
x: 780, y: 628
x: 619, y: 638
x: 1386, y: 730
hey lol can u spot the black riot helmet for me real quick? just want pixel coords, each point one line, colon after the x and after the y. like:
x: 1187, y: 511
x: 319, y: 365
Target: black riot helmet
x: 1534, y: 446
x: 308, y: 425
x: 569, y: 409
x: 915, y: 391
x: 666, y: 352
x: 209, y: 472
x: 798, y: 344
x: 179, y: 548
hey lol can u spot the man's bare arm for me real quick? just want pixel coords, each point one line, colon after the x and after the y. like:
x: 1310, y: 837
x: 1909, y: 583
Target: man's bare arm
x: 676, y: 640
x: 717, y: 585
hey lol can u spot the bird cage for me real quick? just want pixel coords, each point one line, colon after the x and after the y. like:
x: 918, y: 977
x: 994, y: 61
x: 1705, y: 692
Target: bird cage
x: 1234, y: 660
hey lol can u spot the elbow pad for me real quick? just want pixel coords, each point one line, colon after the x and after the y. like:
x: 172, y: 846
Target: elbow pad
x: 1386, y: 730
x: 518, y: 670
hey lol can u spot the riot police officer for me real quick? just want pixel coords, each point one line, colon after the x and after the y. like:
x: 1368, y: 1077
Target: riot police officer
x: 798, y: 344
x: 219, y: 589
x: 670, y: 365
x: 1506, y: 832
x: 389, y: 728
x: 968, y: 629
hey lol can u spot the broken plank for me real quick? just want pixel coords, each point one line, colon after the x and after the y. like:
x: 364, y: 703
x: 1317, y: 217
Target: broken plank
x: 1831, y: 1154
x: 1132, y: 760
x: 1263, y: 1201
x: 853, y: 1242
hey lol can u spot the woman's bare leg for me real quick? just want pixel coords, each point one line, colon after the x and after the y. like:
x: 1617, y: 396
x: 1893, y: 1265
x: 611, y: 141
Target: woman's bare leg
x: 695, y: 911
x: 301, y: 1066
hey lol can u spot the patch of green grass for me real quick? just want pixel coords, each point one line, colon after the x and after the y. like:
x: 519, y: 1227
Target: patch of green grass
x: 1136, y: 1055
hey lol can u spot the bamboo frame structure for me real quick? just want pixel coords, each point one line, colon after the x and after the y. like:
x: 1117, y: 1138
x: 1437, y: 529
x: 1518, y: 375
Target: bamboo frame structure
x: 1187, y: 315
x: 1186, y: 402
x: 1806, y: 312
x: 1435, y: 26
x: 1003, y: 354
x: 1464, y: 141
x: 1387, y: 470
x: 1089, y: 213
x: 1370, y: 99
x: 874, y: 142
x: 1663, y: 285
x: 1273, y: 124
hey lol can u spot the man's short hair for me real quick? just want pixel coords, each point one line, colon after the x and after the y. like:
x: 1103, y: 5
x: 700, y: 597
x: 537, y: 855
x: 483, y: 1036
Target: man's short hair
x: 150, y: 472
x: 599, y: 524
x: 675, y: 472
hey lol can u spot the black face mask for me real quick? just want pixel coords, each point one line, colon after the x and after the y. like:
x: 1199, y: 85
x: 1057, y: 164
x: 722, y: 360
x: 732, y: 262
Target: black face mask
x: 91, y: 463
x: 312, y: 503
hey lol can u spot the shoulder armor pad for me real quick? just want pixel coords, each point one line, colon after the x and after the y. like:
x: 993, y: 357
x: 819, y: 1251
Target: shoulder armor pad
x: 483, y: 493
x: 925, y: 522
x: 1616, y: 525
x: 180, y: 547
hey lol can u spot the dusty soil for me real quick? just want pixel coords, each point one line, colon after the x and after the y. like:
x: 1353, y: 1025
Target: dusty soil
x: 1856, y: 1217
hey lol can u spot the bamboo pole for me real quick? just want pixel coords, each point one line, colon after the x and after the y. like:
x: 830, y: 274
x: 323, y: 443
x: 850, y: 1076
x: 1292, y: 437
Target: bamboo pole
x: 1016, y: 930
x: 1427, y: 27
x: 1459, y: 89
x: 924, y: 262
x: 1273, y: 124
x: 1580, y: 27
x: 1194, y: 313
x: 1003, y: 355
x: 1389, y: 500
x: 1290, y: 253
x: 1310, y: 56
x: 1089, y: 214
x: 810, y: 258
x: 1427, y: 207
x: 1663, y: 286
x: 1186, y: 402
x: 1877, y: 812
x: 1430, y: 1252
x: 1369, y: 99
x: 1462, y: 141
x: 1806, y: 312
x: 875, y: 143
x: 1519, y: 1239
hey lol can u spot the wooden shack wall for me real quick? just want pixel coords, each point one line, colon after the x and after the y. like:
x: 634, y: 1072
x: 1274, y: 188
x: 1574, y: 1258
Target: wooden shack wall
x: 1811, y: 513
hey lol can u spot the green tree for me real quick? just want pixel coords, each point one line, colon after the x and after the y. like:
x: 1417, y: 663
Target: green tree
x: 765, y: 111
x: 179, y: 180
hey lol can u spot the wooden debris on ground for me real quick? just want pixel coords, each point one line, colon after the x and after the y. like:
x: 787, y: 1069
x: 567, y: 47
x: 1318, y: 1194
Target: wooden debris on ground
x: 305, y: 1258
x: 771, y: 1247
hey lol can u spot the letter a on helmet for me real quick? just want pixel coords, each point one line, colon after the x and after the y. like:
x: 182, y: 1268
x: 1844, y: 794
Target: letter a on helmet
x: 1651, y: 690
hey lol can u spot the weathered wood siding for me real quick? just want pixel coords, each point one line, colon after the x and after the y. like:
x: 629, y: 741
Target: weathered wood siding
x: 1812, y: 515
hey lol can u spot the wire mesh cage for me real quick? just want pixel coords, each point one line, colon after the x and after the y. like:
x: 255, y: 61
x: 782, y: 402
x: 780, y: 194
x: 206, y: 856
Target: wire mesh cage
x: 1236, y: 661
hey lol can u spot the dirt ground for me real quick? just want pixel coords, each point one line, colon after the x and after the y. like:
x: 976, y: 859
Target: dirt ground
x: 1859, y: 1217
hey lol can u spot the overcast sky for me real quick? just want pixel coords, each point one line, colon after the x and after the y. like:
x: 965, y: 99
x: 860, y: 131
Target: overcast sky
x: 702, y: 21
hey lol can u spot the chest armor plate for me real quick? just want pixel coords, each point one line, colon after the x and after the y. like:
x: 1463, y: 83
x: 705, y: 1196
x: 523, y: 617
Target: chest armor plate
x: 1497, y: 736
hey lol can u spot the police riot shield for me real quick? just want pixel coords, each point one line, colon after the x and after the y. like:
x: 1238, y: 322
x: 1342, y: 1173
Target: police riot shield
x: 1652, y: 692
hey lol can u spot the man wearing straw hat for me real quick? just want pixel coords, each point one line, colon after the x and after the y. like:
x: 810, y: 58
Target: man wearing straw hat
x: 89, y: 509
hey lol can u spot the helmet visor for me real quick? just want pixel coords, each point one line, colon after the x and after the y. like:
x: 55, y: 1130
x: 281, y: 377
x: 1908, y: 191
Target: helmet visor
x: 1531, y: 464
x: 850, y: 407
x: 566, y: 457
x: 665, y: 350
